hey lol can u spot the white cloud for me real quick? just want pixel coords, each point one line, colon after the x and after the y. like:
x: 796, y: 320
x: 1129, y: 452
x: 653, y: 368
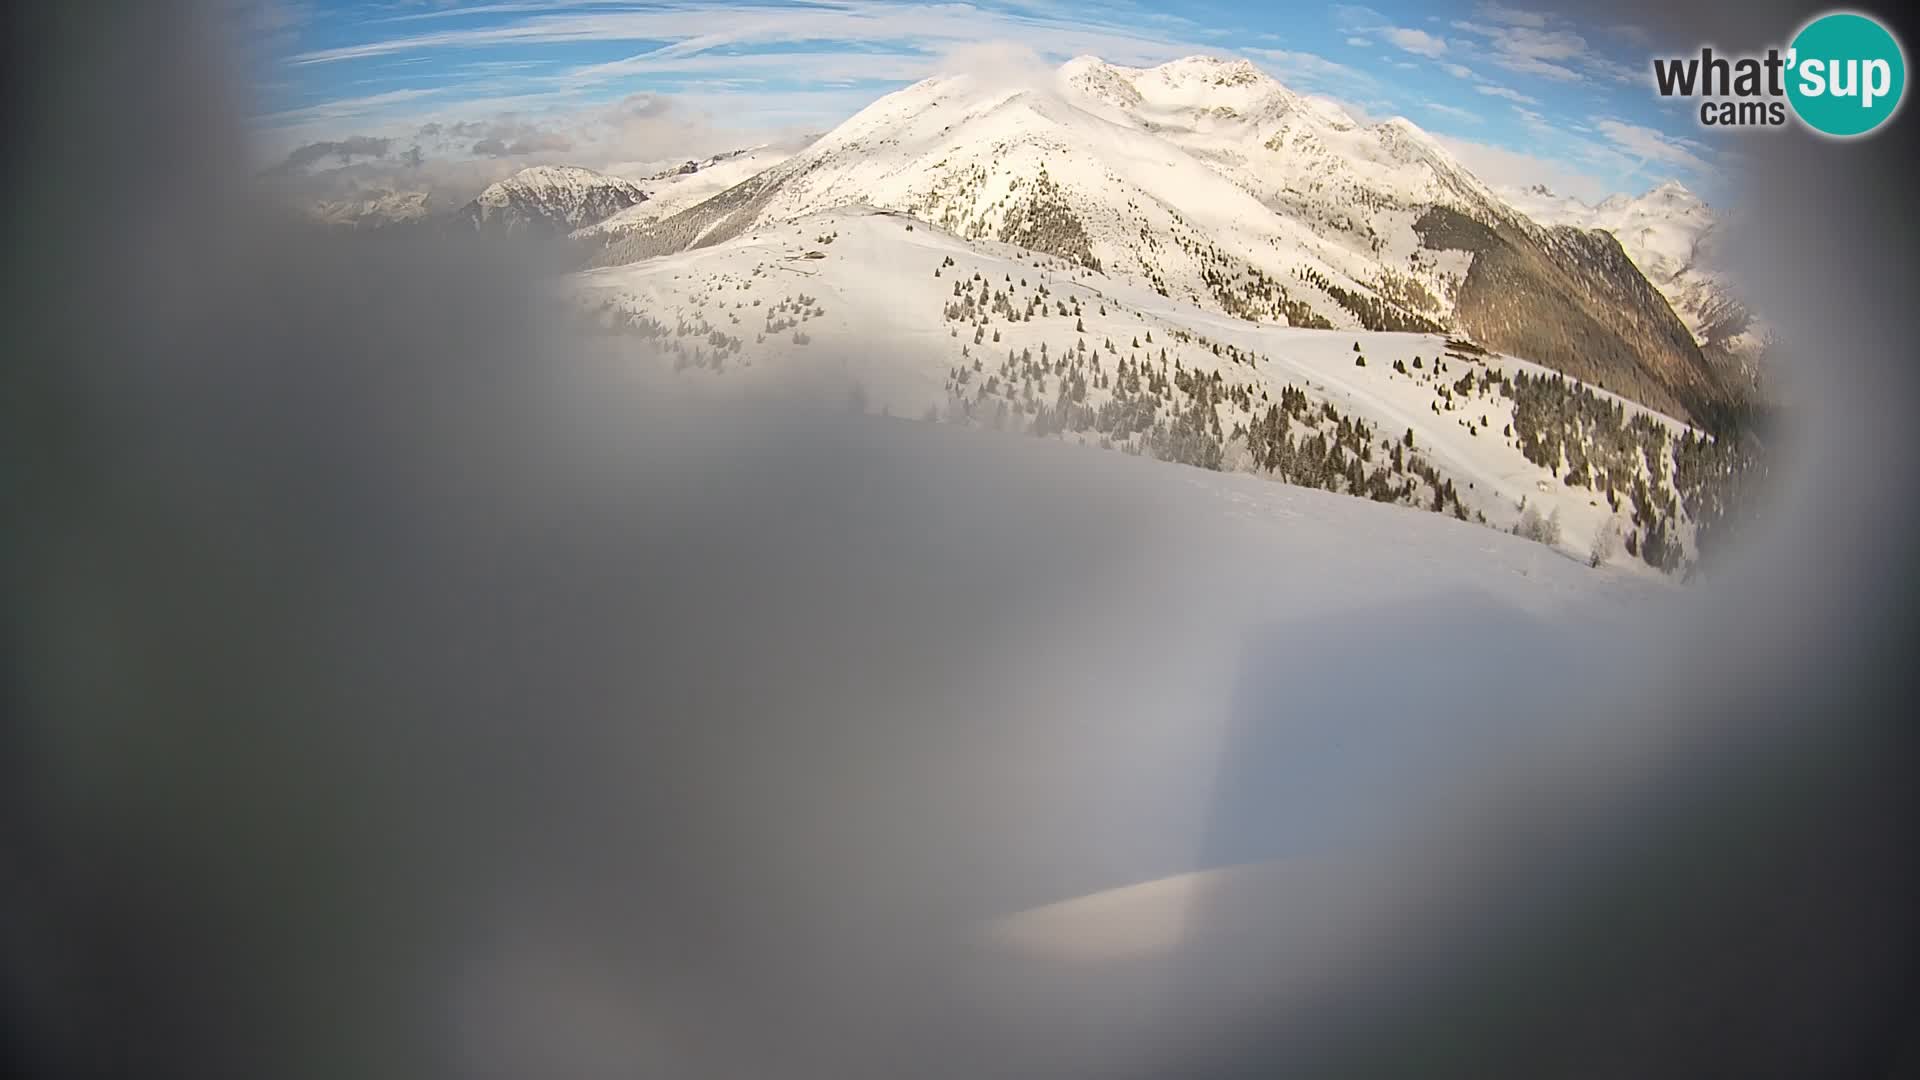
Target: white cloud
x: 1358, y: 21
x: 1536, y: 124
x: 1415, y: 41
x: 1492, y: 90
x: 1645, y: 144
x: 471, y: 144
x: 1459, y: 71
x: 1360, y: 43
x: 1502, y: 167
x: 999, y: 63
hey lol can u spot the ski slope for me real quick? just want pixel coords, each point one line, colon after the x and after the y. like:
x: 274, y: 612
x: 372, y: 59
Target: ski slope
x: 857, y: 295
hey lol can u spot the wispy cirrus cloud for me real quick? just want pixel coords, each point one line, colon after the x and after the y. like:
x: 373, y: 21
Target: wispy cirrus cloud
x: 1537, y: 44
x: 1645, y: 144
x: 345, y: 108
x: 775, y: 57
x: 1453, y: 112
x: 1547, y: 54
x: 1484, y: 85
x: 1508, y: 92
x: 1310, y: 71
x: 684, y: 29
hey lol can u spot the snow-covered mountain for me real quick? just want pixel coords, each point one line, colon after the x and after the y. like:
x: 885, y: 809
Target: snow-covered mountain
x: 1213, y: 184
x: 1065, y: 169
x: 555, y: 199
x: 373, y: 209
x: 1670, y: 234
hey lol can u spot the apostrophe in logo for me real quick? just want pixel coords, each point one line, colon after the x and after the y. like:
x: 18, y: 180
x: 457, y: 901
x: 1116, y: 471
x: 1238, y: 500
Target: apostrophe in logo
x: 1847, y: 74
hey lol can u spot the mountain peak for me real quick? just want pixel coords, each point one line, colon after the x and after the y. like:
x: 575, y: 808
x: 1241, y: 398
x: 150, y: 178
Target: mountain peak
x: 1673, y: 193
x: 1223, y: 66
x: 1100, y: 81
x: 551, y: 198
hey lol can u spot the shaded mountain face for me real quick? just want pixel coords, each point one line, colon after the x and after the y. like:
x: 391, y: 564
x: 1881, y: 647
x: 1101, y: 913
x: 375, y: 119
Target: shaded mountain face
x: 1572, y: 300
x: 549, y: 200
x: 1213, y: 183
x: 1672, y: 236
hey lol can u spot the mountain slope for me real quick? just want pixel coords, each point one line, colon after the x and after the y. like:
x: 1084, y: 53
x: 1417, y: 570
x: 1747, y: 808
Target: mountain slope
x: 1209, y: 182
x: 918, y: 321
x: 1572, y: 300
x: 671, y: 191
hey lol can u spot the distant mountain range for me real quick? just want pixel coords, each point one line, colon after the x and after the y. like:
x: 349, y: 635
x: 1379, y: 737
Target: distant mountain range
x: 554, y: 199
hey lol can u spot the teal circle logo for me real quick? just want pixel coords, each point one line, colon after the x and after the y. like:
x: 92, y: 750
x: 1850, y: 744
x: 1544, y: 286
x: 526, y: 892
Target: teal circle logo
x: 1846, y: 74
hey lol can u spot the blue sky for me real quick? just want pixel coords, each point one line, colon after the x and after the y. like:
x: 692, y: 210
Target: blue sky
x: 1521, y: 95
